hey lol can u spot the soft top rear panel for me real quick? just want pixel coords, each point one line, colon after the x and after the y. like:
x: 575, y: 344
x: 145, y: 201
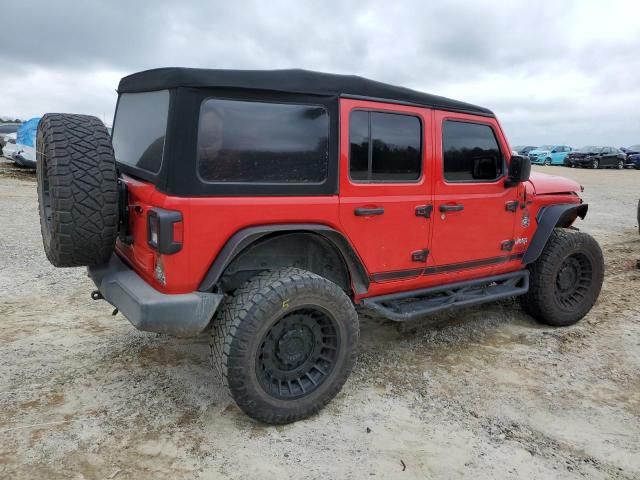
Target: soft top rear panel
x: 294, y: 81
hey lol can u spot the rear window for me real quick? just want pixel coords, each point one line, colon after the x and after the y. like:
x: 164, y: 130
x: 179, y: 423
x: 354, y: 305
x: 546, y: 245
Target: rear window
x: 260, y: 142
x: 139, y: 129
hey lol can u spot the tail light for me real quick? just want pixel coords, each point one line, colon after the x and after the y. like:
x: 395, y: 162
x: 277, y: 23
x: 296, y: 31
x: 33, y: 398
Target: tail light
x: 164, y: 230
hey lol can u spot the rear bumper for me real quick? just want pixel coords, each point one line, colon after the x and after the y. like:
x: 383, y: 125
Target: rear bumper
x: 148, y: 309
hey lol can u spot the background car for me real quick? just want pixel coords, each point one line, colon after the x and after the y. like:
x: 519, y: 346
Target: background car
x: 5, y: 129
x: 633, y: 156
x: 597, y: 157
x: 630, y: 150
x: 549, y: 154
x: 10, y: 146
x: 524, y: 149
x: 25, y: 156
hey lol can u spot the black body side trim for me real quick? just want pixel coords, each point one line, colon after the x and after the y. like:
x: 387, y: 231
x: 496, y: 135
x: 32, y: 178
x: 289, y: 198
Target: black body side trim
x: 452, y: 267
x: 549, y: 218
x: 397, y: 275
x: 242, y: 239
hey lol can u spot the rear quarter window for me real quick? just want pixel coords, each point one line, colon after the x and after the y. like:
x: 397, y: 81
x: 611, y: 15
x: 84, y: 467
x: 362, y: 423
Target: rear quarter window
x: 262, y: 142
x: 139, y: 129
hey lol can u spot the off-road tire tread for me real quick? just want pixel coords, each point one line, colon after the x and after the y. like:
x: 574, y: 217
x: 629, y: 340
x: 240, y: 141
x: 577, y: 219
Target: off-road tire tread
x: 238, y: 319
x: 539, y: 301
x: 75, y: 153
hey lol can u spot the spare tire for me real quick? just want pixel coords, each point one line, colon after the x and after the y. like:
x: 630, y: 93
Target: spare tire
x: 77, y: 190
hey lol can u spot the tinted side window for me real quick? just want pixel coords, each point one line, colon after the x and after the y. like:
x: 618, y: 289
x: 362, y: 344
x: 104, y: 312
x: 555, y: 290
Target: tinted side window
x: 259, y: 142
x: 359, y: 145
x: 385, y: 147
x: 470, y: 152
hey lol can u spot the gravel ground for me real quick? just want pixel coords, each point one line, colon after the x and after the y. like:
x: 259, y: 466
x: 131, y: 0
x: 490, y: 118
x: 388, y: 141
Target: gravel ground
x: 476, y: 393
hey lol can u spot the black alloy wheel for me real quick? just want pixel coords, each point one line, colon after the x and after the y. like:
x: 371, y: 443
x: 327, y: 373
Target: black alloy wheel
x: 573, y: 280
x: 298, y: 353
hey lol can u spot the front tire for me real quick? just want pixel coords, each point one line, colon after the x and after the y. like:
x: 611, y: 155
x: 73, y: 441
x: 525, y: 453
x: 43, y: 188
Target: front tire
x: 547, y: 162
x: 620, y: 164
x: 285, y: 343
x: 595, y: 164
x: 565, y: 280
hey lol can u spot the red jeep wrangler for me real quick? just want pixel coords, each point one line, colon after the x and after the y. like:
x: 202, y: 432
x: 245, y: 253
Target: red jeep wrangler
x: 266, y: 205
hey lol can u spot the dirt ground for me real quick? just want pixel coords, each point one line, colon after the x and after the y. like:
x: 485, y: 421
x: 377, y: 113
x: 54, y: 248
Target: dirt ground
x: 476, y: 393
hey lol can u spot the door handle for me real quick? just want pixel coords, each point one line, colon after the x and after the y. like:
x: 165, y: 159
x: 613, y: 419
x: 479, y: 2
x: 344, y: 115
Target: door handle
x: 457, y: 207
x: 368, y: 212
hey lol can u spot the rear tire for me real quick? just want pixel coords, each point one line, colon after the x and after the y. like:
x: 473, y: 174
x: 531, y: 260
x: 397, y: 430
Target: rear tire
x: 77, y: 190
x: 595, y: 163
x: 565, y: 280
x: 285, y: 344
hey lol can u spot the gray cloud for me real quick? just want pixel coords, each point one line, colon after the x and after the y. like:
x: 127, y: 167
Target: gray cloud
x: 552, y: 71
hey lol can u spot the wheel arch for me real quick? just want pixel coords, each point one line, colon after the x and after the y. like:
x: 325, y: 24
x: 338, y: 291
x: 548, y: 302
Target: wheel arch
x: 318, y: 248
x: 548, y: 218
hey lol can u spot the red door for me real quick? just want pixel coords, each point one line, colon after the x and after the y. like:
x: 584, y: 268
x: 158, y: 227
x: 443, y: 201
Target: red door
x: 473, y: 225
x: 385, y: 186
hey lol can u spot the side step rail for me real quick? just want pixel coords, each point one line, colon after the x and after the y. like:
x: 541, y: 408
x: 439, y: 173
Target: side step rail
x: 404, y: 306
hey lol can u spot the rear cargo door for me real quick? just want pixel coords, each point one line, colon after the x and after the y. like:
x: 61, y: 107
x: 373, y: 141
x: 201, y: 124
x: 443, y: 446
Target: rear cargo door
x: 385, y: 190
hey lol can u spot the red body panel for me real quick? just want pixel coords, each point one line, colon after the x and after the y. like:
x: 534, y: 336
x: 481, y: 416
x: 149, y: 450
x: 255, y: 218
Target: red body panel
x: 385, y: 242
x: 478, y: 231
x: 462, y: 245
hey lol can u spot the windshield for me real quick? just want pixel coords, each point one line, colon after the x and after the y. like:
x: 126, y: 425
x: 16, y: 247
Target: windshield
x: 590, y: 150
x: 139, y: 129
x: 634, y: 148
x: 545, y: 147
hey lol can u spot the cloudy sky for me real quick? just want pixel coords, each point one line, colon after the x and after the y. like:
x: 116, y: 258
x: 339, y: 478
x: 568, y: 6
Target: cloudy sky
x: 553, y: 71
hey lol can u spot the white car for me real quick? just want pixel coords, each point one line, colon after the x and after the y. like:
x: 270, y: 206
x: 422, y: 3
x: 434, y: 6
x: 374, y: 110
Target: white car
x: 23, y: 155
x: 9, y: 147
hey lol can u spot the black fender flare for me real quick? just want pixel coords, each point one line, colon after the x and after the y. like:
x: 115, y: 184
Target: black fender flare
x: 245, y: 237
x: 548, y: 218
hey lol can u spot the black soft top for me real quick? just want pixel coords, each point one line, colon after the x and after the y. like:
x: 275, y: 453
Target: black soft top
x: 289, y: 81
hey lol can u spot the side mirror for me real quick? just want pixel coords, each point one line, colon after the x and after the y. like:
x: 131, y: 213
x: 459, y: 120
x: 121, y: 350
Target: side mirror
x: 519, y: 171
